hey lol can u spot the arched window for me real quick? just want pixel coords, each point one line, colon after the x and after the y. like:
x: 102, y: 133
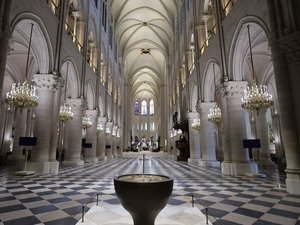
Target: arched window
x: 144, y: 107
x: 136, y: 107
x: 151, y: 107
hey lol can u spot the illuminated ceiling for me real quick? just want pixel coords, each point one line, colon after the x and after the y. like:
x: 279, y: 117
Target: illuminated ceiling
x: 144, y: 31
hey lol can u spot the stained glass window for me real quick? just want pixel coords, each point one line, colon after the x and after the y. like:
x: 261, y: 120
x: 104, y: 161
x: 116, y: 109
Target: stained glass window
x: 144, y: 107
x: 151, y: 107
x: 136, y: 107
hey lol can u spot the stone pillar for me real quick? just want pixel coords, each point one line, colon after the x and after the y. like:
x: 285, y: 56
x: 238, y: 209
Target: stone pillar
x: 75, y: 15
x: 101, y: 140
x: 80, y: 32
x: 18, y: 130
x: 224, y: 128
x: 208, y: 148
x: 108, y: 140
x: 194, y: 139
x: 240, y: 163
x: 264, y: 155
x: 114, y: 141
x: 285, y: 46
x: 73, y: 152
x: 205, y: 19
x: 5, y: 34
x: 46, y: 85
x: 54, y: 165
x: 91, y: 137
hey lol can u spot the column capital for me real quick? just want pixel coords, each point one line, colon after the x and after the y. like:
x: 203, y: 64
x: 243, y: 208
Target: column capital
x: 192, y: 115
x: 92, y: 113
x: 234, y: 88
x: 102, y: 120
x: 77, y: 103
x: 45, y: 82
x: 206, y: 106
x: 290, y: 44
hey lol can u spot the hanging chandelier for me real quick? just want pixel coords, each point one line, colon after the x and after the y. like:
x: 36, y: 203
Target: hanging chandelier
x: 86, y: 122
x: 100, y: 128
x: 196, y: 125
x: 23, y: 95
x: 215, y: 115
x: 65, y: 111
x: 255, y: 97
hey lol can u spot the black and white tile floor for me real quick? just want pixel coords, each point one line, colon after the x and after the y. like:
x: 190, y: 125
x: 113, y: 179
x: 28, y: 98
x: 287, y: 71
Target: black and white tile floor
x: 58, y: 199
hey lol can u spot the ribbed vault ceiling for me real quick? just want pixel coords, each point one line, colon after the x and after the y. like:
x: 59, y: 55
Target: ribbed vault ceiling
x: 144, y: 30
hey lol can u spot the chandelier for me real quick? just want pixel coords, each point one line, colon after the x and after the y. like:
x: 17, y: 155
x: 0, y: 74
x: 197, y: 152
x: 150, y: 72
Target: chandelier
x: 256, y: 97
x: 23, y: 95
x: 196, y: 125
x: 86, y: 122
x: 65, y: 111
x: 100, y: 128
x: 215, y: 115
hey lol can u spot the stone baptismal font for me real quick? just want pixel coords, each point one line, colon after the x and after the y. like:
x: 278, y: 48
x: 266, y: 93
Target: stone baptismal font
x: 143, y: 195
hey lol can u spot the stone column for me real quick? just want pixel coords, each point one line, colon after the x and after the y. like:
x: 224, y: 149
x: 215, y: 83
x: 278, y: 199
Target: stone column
x: 208, y: 148
x: 54, y: 165
x: 114, y: 141
x: 91, y: 137
x: 205, y: 19
x: 240, y: 163
x: 194, y: 139
x: 5, y: 34
x: 108, y: 140
x: 18, y: 130
x: 264, y: 155
x: 75, y: 15
x: 101, y: 140
x: 46, y: 85
x: 80, y: 32
x: 285, y: 47
x: 73, y: 152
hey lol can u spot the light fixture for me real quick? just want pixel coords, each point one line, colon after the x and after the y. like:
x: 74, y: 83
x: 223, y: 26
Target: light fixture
x: 255, y: 97
x: 86, y: 122
x: 65, y: 111
x: 99, y: 128
x: 215, y: 115
x: 107, y: 131
x: 196, y: 125
x: 23, y: 95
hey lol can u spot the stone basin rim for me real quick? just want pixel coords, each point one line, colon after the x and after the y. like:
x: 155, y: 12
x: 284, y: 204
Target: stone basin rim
x: 168, y: 178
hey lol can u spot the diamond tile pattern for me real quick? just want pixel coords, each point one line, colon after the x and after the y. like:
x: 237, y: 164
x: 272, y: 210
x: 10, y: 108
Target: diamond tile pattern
x: 58, y: 199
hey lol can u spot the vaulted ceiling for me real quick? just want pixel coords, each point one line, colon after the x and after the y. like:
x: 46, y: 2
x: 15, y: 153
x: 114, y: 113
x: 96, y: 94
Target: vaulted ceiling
x: 144, y: 31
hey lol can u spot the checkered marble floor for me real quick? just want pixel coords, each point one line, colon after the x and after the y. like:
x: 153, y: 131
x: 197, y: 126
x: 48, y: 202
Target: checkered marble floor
x: 58, y: 199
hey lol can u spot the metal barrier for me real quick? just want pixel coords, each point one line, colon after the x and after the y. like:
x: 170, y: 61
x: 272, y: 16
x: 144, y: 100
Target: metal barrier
x: 198, y: 201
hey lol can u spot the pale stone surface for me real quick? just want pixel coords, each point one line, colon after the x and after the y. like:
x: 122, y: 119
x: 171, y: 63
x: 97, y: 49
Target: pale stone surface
x: 117, y: 215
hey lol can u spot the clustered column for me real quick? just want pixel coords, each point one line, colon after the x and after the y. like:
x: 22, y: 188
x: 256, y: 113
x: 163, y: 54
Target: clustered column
x: 91, y: 137
x: 194, y: 139
x: 236, y: 127
x: 46, y: 86
x: 73, y: 152
x: 208, y: 148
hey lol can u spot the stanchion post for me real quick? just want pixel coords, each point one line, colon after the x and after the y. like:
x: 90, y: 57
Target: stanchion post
x: 206, y: 213
x: 143, y: 163
x: 82, y: 220
x: 97, y: 198
x: 193, y: 201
